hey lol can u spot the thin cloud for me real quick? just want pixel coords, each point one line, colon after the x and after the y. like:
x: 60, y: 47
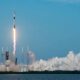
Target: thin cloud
x: 68, y: 1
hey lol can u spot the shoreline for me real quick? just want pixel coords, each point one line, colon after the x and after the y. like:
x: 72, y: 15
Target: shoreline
x: 43, y: 72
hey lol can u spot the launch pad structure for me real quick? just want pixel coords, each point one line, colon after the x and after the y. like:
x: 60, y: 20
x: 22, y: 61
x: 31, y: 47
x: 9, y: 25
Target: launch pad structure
x: 10, y: 59
x: 10, y: 64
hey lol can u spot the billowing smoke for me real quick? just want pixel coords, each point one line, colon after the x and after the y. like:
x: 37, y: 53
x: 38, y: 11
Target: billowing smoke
x: 70, y: 62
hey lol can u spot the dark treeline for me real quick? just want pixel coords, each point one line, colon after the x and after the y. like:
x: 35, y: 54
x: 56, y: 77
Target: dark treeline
x: 43, y: 72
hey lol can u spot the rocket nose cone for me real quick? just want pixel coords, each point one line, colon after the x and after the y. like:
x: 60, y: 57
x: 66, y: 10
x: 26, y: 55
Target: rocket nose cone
x: 14, y: 17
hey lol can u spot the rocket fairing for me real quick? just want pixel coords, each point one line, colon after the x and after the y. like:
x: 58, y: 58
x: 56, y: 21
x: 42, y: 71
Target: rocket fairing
x: 14, y: 17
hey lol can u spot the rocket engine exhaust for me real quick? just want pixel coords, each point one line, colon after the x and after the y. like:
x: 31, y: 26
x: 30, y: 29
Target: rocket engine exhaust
x: 14, y: 40
x: 14, y: 36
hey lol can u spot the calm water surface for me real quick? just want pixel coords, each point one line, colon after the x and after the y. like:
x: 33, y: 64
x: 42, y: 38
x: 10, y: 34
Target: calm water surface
x: 39, y: 76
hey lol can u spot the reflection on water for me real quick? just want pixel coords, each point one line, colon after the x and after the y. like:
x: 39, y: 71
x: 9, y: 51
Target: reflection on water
x: 39, y: 76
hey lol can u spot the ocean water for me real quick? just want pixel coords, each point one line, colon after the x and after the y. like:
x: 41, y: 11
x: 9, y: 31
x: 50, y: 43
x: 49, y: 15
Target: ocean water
x: 39, y: 76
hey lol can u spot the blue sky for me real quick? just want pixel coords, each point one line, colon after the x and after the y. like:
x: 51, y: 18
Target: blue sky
x: 50, y: 28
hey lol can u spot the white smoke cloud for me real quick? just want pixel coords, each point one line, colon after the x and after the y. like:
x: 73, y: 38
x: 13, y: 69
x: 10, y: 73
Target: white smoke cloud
x: 70, y: 62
